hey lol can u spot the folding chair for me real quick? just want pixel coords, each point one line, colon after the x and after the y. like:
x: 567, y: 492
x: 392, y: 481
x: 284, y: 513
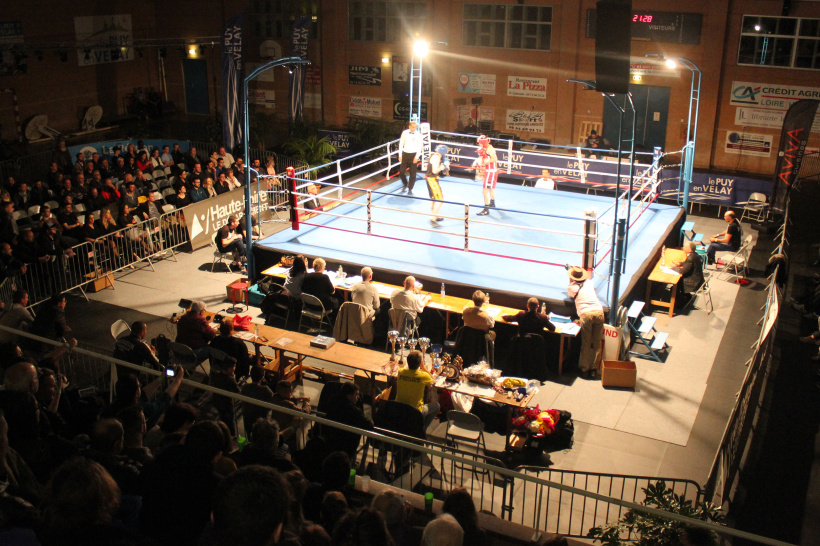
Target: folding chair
x: 755, y: 208
x: 645, y: 332
x: 120, y: 328
x: 704, y: 289
x: 739, y: 260
x: 313, y: 309
x: 219, y: 255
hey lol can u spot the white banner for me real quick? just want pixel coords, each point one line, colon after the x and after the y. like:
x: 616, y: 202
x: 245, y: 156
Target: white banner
x: 525, y: 120
x: 519, y: 86
x: 643, y: 68
x: 368, y: 107
x: 774, y: 97
x: 748, y: 144
x: 477, y: 84
x: 773, y: 119
x: 103, y: 39
x: 313, y: 100
x: 266, y: 97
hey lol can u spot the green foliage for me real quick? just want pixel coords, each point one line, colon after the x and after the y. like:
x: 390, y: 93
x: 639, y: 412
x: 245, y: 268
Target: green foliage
x: 642, y: 529
x: 311, y: 149
x: 366, y: 134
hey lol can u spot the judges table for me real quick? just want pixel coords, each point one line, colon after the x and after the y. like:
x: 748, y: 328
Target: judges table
x: 371, y: 363
x: 448, y: 304
x: 665, y: 275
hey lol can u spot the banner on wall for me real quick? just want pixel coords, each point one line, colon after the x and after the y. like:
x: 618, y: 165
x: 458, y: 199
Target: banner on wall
x: 339, y: 139
x: 364, y: 75
x: 467, y: 114
x: 262, y: 97
x: 773, y: 97
x: 401, y: 110
x: 313, y: 101
x: 748, y: 144
x: 103, y: 39
x: 369, y: 107
x: 528, y: 121
x: 106, y: 147
x: 299, y: 40
x: 232, y: 82
x: 203, y: 219
x: 12, y: 62
x: 772, y: 119
x: 313, y: 75
x: 519, y: 86
x: 476, y: 84
x: 793, y: 140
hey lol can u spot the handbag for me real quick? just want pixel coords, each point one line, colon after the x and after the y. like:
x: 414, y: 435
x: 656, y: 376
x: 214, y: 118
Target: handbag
x: 242, y: 323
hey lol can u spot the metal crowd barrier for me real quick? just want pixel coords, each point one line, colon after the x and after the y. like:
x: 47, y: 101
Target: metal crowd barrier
x: 424, y: 465
x: 724, y: 475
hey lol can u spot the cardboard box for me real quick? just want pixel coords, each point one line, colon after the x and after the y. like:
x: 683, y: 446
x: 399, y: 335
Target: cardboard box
x: 618, y: 373
x: 101, y: 283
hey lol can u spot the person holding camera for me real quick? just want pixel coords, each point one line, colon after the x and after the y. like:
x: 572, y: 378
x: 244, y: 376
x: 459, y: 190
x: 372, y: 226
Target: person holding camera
x: 133, y: 349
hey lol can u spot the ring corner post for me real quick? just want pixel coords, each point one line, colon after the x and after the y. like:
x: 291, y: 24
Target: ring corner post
x: 294, y: 213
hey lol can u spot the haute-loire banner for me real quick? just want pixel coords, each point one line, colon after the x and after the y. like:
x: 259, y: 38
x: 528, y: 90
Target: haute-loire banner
x: 232, y: 126
x: 793, y: 140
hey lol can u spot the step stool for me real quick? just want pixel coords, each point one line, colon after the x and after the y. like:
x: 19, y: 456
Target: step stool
x: 687, y: 233
x: 644, y: 331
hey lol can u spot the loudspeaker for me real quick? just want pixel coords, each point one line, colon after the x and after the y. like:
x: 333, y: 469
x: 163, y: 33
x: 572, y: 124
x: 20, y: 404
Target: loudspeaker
x: 613, y: 34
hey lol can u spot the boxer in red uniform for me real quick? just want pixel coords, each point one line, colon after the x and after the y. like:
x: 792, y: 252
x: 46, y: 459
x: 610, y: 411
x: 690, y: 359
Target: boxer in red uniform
x: 490, y: 161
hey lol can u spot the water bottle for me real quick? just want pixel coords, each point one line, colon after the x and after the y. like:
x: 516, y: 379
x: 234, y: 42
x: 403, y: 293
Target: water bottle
x: 543, y: 308
x: 663, y: 255
x: 339, y: 273
x: 256, y: 330
x: 442, y: 291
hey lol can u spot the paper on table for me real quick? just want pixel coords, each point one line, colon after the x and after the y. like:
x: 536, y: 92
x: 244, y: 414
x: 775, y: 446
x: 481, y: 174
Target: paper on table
x: 276, y: 270
x: 284, y: 341
x: 248, y: 336
x: 669, y: 271
x: 558, y: 318
x: 493, y: 311
x: 215, y: 325
x: 570, y: 329
x: 384, y: 289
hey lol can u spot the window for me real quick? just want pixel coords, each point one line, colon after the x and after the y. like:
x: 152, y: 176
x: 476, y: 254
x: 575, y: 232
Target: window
x: 371, y: 21
x: 787, y: 42
x: 510, y: 26
x: 273, y: 19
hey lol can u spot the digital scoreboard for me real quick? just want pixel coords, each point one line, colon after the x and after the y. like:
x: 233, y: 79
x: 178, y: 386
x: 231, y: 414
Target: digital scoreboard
x: 659, y: 26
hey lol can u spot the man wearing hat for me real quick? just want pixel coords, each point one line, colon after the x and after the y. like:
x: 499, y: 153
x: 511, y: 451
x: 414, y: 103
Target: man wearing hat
x: 591, y: 314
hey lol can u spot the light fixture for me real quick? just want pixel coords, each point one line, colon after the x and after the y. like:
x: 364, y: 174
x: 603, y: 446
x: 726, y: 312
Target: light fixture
x: 671, y: 63
x: 636, y: 77
x: 192, y: 51
x: 420, y: 48
x: 757, y: 28
x: 385, y: 60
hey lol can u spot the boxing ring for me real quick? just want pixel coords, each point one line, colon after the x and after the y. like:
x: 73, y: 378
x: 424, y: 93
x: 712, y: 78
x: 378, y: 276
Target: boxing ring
x: 519, y: 249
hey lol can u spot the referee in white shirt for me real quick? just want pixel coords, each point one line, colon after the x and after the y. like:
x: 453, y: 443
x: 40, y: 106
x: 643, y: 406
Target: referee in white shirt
x: 409, y: 148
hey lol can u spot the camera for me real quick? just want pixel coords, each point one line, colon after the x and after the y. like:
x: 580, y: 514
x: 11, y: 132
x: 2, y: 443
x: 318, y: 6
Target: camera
x: 169, y: 372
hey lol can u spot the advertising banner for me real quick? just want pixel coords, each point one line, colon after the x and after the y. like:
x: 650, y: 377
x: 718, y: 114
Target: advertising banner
x: 103, y: 39
x: 364, y: 75
x: 748, y: 144
x: 11, y: 62
x: 772, y: 119
x: 264, y: 97
x: 339, y: 139
x: 476, y: 84
x: 106, y: 148
x: 401, y: 110
x: 232, y: 82
x: 793, y: 140
x: 299, y: 40
x: 528, y: 121
x: 519, y: 86
x: 774, y: 97
x: 204, y: 219
x: 369, y: 107
x: 313, y: 100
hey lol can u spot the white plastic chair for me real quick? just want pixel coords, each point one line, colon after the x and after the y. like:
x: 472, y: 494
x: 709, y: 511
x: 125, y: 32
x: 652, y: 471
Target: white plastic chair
x: 120, y: 328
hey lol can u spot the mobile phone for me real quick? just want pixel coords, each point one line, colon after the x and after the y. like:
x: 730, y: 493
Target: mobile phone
x: 169, y: 372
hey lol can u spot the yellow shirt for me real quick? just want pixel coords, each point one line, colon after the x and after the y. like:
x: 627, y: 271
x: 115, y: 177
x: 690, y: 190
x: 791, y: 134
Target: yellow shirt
x: 410, y: 387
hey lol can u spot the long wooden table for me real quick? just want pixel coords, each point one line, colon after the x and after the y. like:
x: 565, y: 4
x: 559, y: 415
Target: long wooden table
x: 372, y: 363
x: 448, y: 304
x: 658, y: 275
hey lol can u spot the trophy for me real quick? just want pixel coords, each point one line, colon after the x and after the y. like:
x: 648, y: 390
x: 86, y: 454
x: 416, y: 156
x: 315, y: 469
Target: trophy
x: 424, y: 343
x: 392, y: 336
x: 411, y: 343
x: 402, y: 342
